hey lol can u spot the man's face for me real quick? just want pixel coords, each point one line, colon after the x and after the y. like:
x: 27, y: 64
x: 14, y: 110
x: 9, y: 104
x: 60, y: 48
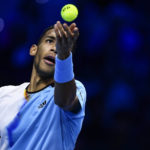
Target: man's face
x: 44, y: 61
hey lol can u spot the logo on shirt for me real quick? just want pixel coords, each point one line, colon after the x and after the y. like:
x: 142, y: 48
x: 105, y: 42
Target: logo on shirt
x: 42, y: 105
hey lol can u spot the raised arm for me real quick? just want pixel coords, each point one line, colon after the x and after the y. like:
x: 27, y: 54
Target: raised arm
x: 65, y: 87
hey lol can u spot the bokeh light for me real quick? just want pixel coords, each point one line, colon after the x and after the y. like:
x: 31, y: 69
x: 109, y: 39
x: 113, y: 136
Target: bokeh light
x: 2, y: 24
x: 129, y: 39
x: 20, y: 57
x: 42, y: 1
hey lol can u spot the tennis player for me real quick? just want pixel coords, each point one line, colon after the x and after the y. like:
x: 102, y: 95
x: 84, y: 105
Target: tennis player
x: 46, y: 113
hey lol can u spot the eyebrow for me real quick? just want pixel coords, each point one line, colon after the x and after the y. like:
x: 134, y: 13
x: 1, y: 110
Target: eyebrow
x: 51, y: 37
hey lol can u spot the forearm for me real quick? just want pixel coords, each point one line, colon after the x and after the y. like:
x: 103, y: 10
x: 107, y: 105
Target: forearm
x: 65, y: 93
x: 65, y: 87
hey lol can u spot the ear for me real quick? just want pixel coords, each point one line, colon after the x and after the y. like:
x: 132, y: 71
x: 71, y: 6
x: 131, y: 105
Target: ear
x: 33, y: 50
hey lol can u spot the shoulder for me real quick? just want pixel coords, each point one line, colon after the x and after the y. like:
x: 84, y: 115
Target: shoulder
x: 80, y: 88
x: 10, y: 88
x: 79, y: 84
x: 81, y: 96
x: 14, y: 86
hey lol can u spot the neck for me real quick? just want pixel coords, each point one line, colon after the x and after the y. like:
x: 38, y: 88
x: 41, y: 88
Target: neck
x: 37, y: 83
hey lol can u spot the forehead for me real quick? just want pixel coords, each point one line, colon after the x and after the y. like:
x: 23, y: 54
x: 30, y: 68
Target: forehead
x: 50, y: 32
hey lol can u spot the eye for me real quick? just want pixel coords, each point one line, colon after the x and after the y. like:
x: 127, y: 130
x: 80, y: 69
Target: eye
x: 49, y: 41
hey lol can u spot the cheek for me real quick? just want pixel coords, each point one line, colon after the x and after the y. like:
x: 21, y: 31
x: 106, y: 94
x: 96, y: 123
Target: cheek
x: 38, y: 58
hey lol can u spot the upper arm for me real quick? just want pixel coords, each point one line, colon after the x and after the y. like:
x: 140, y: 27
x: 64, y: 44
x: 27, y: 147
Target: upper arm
x: 75, y: 107
x: 80, y: 99
x: 64, y: 94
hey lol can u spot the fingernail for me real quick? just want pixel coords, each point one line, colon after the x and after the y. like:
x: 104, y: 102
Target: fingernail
x: 64, y: 24
x: 75, y: 29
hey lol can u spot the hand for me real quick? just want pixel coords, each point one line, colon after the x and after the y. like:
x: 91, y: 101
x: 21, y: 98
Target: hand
x: 66, y: 37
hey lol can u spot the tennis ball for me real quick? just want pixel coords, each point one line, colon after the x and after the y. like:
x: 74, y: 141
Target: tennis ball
x: 69, y: 12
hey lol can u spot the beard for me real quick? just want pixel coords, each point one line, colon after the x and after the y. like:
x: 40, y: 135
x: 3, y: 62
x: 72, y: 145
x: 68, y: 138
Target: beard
x: 42, y: 73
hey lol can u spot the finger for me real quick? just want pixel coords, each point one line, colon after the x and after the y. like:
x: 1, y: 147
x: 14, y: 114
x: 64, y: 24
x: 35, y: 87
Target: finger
x: 76, y: 33
x: 68, y: 31
x: 58, y: 37
x: 61, y: 30
x: 72, y: 26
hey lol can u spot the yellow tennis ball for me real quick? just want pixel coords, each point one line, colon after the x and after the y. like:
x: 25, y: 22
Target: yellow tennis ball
x: 69, y: 12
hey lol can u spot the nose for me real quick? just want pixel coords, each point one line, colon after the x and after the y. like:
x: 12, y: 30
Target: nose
x: 53, y: 50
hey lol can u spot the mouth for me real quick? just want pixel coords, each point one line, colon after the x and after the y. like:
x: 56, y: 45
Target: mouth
x: 49, y: 60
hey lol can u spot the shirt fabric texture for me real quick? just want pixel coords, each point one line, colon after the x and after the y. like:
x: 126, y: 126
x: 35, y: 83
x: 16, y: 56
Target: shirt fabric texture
x: 38, y: 124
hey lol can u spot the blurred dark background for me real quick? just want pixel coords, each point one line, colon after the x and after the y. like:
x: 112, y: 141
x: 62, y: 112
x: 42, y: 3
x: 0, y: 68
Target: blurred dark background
x: 112, y: 60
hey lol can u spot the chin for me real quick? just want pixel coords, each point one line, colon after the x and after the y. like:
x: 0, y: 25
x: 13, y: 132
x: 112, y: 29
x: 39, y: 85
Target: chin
x: 46, y: 73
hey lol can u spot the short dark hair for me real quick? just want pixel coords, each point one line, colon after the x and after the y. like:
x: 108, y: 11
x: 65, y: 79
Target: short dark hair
x: 43, y: 33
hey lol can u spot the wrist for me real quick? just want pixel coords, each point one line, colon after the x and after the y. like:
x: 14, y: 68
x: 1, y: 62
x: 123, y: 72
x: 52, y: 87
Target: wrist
x: 64, y: 69
x: 63, y: 56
